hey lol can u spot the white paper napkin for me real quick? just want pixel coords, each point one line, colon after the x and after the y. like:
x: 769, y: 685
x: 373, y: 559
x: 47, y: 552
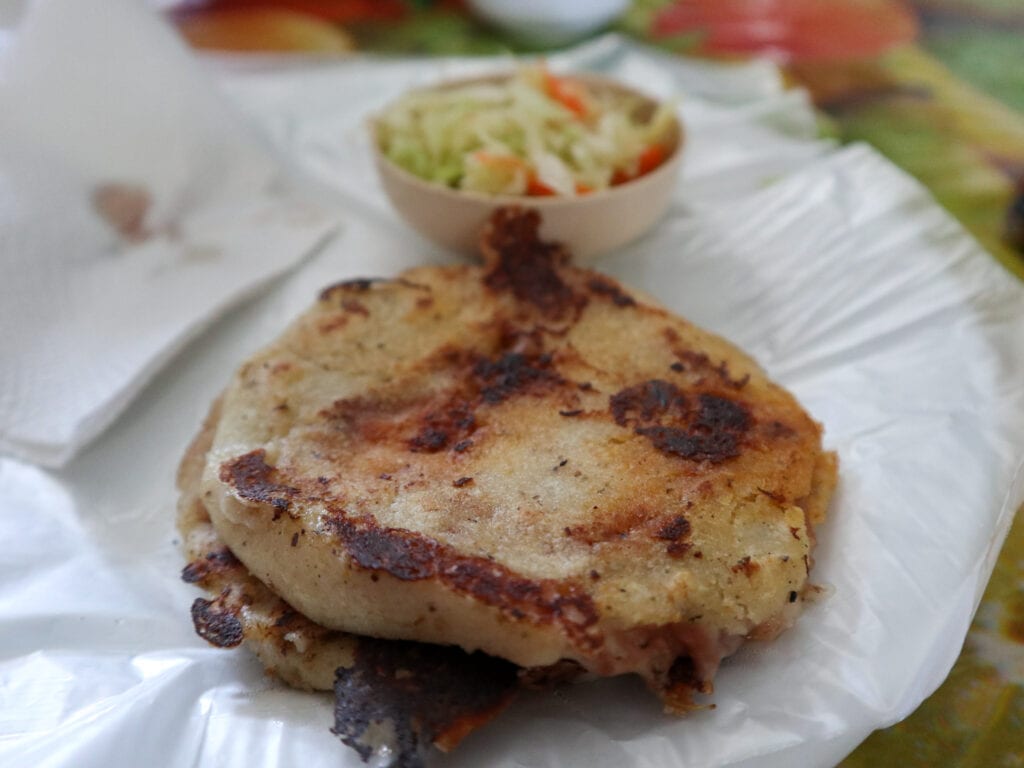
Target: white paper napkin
x: 103, y: 95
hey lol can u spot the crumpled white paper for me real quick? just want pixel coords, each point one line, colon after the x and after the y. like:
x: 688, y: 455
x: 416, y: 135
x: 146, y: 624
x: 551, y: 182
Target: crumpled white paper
x: 107, y: 95
x: 833, y: 268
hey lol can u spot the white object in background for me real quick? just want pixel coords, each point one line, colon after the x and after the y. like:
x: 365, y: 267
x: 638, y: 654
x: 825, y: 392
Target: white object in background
x: 549, y: 22
x: 107, y: 97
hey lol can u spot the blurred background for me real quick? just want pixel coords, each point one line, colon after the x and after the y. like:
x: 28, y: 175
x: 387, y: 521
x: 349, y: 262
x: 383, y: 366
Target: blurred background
x: 936, y: 85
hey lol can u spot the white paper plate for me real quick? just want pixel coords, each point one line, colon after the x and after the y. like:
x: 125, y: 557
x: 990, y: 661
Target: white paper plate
x: 835, y: 270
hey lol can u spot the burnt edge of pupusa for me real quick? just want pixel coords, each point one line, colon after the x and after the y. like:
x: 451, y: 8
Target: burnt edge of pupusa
x: 403, y: 696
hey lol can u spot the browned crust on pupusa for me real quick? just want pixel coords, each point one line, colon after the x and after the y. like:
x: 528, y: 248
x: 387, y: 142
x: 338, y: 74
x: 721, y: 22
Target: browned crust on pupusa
x: 623, y: 462
x: 293, y: 648
x: 308, y: 656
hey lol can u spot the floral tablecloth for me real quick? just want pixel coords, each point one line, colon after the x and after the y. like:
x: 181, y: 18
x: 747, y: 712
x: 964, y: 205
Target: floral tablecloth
x: 935, y: 85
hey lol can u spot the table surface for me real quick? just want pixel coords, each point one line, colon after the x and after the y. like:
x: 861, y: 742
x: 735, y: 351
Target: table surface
x: 935, y: 85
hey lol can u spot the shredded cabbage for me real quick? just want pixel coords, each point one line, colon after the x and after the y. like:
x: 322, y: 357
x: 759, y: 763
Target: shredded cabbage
x: 534, y: 134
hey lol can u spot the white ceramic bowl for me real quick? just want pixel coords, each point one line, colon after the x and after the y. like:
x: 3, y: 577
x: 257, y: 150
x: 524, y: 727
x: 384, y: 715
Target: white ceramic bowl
x: 588, y: 224
x: 548, y: 22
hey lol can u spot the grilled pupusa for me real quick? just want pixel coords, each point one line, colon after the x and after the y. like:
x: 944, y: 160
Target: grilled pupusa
x: 522, y: 458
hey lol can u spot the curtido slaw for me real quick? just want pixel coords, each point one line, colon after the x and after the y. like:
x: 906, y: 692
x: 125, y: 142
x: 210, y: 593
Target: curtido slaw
x: 533, y: 134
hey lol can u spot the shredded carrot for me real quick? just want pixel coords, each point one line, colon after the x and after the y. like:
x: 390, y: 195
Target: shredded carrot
x: 568, y: 94
x: 650, y: 158
x: 537, y: 188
